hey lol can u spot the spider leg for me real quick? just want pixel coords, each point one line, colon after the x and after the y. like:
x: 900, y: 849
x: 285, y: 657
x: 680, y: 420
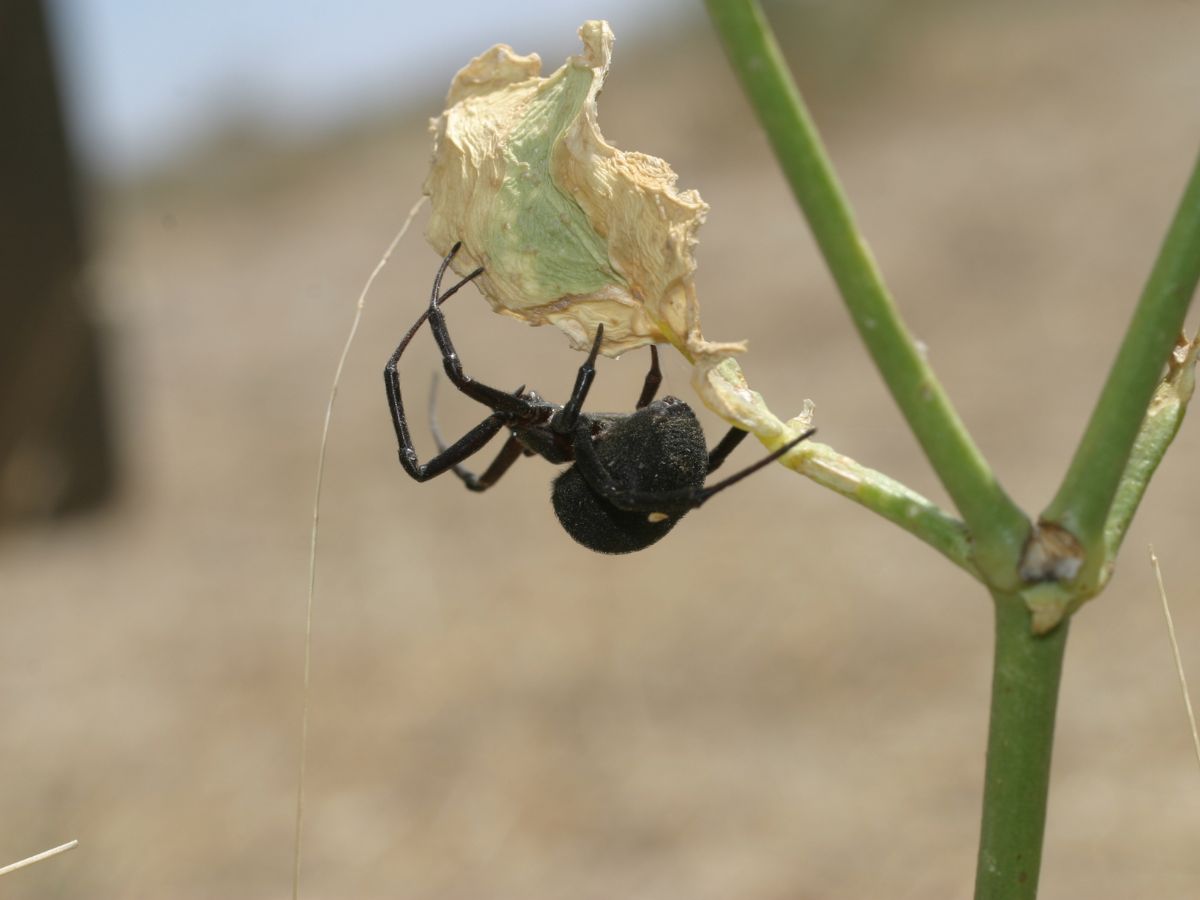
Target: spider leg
x: 509, y: 453
x: 391, y: 377
x: 669, y: 503
x: 653, y: 380
x: 450, y: 292
x: 473, y: 440
x: 470, y: 443
x: 498, y: 400
x: 717, y: 454
x: 565, y: 419
x: 754, y: 467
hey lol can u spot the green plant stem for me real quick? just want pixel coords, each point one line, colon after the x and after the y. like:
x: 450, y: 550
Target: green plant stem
x: 1085, y: 497
x: 1025, y: 683
x: 998, y: 525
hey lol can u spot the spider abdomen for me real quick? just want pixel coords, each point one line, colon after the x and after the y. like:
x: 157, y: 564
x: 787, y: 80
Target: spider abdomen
x: 655, y: 450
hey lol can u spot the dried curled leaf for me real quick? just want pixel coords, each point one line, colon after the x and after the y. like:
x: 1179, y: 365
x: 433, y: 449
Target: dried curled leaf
x: 570, y: 230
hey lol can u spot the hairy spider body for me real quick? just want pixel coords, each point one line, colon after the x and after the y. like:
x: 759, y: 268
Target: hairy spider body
x: 656, y: 450
x: 632, y: 475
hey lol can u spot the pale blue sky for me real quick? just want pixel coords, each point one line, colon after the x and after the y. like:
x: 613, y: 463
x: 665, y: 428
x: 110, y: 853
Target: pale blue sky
x: 144, y: 77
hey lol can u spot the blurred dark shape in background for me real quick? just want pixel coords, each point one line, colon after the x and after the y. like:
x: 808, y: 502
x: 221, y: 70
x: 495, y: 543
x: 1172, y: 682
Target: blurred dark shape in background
x: 56, y: 450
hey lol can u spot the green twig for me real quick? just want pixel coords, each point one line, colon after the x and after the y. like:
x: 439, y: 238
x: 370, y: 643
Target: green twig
x: 999, y: 527
x: 1084, y: 500
x: 889, y: 498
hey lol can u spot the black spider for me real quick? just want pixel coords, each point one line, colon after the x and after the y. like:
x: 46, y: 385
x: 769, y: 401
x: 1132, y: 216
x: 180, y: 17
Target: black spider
x: 633, y: 475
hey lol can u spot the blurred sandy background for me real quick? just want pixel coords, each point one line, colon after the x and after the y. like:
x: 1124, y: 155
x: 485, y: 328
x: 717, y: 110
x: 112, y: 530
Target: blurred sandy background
x: 787, y: 697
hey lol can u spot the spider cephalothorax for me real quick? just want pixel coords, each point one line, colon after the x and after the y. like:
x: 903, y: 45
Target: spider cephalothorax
x: 632, y: 475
